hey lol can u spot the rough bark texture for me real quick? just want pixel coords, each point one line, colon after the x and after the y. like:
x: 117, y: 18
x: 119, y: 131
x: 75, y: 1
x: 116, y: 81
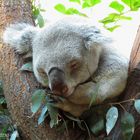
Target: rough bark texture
x: 18, y: 86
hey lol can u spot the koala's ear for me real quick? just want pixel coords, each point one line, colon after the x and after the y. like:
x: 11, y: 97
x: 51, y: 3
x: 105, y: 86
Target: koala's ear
x: 20, y: 36
x: 93, y: 37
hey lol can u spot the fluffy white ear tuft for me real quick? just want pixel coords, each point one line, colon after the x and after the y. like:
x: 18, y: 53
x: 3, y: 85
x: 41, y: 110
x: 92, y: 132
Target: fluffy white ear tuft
x: 20, y: 36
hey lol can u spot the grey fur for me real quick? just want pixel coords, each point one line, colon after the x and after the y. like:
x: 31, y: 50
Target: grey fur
x: 73, y: 39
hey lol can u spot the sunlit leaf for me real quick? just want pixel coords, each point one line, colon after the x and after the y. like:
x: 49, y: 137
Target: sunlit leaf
x: 40, y: 20
x: 117, y: 6
x: 43, y: 114
x: 14, y: 135
x: 72, y: 11
x: 37, y: 98
x: 137, y: 105
x: 27, y: 67
x: 90, y: 3
x: 111, y: 29
x: 60, y: 8
x: 132, y: 4
x: 111, y: 118
x: 127, y: 126
x: 125, y: 18
x: 110, y: 18
x: 77, y: 1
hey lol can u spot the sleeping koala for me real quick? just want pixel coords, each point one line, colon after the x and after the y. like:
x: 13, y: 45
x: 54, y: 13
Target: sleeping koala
x: 76, y: 59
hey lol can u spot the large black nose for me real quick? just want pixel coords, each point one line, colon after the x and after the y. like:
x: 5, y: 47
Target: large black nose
x: 57, y: 82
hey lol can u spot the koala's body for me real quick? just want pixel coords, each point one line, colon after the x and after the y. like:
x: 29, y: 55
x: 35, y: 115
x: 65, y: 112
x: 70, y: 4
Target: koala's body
x: 76, y: 58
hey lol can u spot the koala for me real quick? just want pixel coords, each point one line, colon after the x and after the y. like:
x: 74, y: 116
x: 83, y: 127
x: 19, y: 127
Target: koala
x: 74, y: 58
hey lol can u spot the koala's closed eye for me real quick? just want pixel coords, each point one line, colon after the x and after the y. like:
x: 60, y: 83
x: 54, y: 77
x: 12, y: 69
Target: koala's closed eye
x: 74, y: 65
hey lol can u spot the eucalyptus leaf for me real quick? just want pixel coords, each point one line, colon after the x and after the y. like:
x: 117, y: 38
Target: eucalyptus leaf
x: 90, y: 3
x: 27, y: 67
x: 111, y: 29
x: 97, y: 127
x: 36, y: 100
x: 14, y: 135
x: 40, y: 20
x: 137, y: 105
x: 127, y: 126
x: 2, y: 100
x: 111, y: 119
x: 53, y: 112
x: 43, y: 114
x: 77, y: 1
x: 132, y: 4
x: 60, y: 8
x: 117, y: 6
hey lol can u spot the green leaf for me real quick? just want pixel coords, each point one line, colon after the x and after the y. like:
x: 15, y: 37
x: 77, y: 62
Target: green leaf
x: 72, y: 11
x: 27, y: 67
x: 111, y: 118
x: 36, y: 12
x: 110, y: 18
x: 53, y: 112
x: 127, y: 126
x: 40, y: 20
x: 37, y: 98
x: 111, y: 29
x: 97, y: 127
x: 125, y: 18
x: 43, y: 114
x: 60, y: 8
x: 77, y: 1
x: 117, y: 6
x: 137, y: 105
x: 14, y: 135
x: 2, y: 100
x: 90, y: 3
x: 132, y: 4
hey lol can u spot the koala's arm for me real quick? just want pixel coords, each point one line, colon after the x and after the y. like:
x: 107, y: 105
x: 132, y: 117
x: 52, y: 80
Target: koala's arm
x: 20, y: 36
x: 108, y: 82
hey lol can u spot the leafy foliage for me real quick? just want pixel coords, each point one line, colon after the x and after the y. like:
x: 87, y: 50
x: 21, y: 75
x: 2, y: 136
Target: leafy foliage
x: 37, y: 98
x: 127, y: 125
x: 14, y: 135
x: 111, y: 118
x: 27, y: 67
x: 117, y: 6
x: 70, y: 11
x: 137, y: 105
x: 36, y: 11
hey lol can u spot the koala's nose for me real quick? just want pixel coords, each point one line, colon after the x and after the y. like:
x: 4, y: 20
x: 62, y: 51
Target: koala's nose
x: 59, y: 88
x: 57, y: 82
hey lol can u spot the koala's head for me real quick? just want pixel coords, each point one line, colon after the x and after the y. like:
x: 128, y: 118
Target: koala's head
x: 64, y: 53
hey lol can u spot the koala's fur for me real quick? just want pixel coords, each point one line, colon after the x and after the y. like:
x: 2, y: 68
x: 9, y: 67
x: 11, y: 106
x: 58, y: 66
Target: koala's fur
x: 72, y: 40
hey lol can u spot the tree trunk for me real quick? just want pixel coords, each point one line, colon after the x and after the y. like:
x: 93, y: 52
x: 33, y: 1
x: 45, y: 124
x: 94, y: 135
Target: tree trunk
x: 18, y: 87
x: 131, y: 91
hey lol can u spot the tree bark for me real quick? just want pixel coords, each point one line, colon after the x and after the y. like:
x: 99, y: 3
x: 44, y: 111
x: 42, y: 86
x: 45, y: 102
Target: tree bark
x: 18, y: 87
x: 131, y: 91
